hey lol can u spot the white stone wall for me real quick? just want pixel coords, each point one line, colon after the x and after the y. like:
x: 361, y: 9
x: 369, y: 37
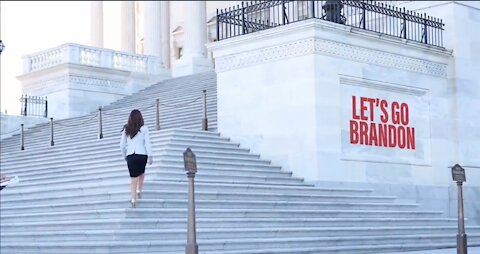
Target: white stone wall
x: 461, y: 18
x: 270, y: 109
x: 342, y: 79
x: 287, y: 94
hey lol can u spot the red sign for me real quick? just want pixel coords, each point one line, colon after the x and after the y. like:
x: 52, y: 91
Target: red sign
x: 393, y: 130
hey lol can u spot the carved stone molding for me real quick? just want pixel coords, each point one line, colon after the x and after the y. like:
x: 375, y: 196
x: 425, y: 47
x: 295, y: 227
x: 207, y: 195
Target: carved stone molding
x: 74, y: 81
x: 265, y: 55
x: 330, y: 48
x: 371, y: 56
x: 97, y: 83
x: 46, y: 86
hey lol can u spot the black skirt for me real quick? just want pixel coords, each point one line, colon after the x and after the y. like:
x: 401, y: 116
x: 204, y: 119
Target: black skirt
x: 136, y: 164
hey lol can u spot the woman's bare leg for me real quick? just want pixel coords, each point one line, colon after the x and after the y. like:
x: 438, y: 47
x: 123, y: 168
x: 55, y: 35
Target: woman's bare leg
x: 140, y: 182
x: 133, y: 188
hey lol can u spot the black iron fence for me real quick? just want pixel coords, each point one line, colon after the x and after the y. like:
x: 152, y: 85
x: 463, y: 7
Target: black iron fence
x: 253, y: 16
x: 33, y: 106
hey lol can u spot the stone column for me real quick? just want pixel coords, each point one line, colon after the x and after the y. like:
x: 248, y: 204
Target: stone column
x: 96, y: 24
x: 128, y: 26
x: 152, y: 36
x: 194, y: 59
x: 165, y: 32
x: 152, y: 44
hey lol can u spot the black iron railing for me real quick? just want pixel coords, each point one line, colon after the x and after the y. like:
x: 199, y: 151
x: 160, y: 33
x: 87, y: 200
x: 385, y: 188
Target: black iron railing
x: 33, y: 106
x: 255, y: 16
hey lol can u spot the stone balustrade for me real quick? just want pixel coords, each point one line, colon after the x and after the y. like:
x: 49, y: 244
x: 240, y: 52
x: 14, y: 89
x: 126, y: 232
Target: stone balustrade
x: 90, y: 56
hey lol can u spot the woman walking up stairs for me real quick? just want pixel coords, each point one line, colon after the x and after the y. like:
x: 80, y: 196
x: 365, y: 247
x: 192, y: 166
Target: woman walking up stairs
x: 136, y: 149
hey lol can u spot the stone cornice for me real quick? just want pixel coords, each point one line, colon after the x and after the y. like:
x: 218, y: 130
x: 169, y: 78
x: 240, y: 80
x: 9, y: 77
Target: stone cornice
x: 319, y: 46
x: 381, y: 85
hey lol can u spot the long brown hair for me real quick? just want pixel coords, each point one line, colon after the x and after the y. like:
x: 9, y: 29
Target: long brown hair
x: 135, y: 122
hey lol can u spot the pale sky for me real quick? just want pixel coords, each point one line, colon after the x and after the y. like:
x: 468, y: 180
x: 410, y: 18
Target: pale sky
x: 29, y: 27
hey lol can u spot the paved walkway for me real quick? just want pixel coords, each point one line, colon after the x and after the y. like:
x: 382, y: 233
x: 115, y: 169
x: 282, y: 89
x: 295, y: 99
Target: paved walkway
x: 471, y: 250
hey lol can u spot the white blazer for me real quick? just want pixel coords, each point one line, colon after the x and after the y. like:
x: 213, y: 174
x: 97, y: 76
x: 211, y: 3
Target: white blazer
x: 140, y: 144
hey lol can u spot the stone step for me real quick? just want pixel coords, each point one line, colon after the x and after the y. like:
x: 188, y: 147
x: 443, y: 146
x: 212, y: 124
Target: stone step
x: 59, y: 197
x: 177, y: 175
x: 206, y: 164
x: 181, y: 186
x: 119, y: 164
x: 158, y: 149
x: 156, y: 143
x: 179, y: 93
x: 176, y: 96
x: 167, y: 109
x: 102, y: 172
x: 94, y: 136
x: 175, y: 223
x: 212, y: 148
x: 188, y: 88
x: 60, y: 131
x: 107, y: 182
x: 244, y: 245
x: 92, y: 132
x: 45, y: 139
x: 367, y: 249
x: 160, y: 91
x: 140, y: 213
x: 139, y: 233
x: 108, y: 143
x: 177, y: 130
x: 214, y: 158
x: 167, y: 105
x: 115, y: 160
x: 112, y: 123
x: 67, y: 205
x: 114, y: 126
x: 167, y: 98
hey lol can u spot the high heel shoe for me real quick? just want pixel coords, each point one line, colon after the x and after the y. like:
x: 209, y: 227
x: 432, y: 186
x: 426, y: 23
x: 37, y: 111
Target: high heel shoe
x: 139, y: 194
x: 133, y: 203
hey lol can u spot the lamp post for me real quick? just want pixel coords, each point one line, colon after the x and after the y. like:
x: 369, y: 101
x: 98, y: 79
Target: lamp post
x: 2, y: 46
x: 204, y: 119
x: 190, y: 162
x: 458, y: 175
